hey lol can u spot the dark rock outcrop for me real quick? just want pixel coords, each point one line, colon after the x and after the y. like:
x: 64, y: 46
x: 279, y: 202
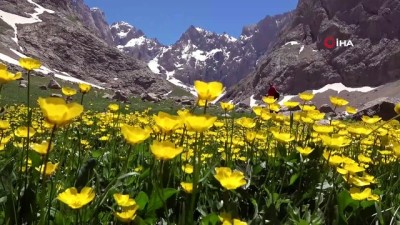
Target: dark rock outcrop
x: 300, y: 61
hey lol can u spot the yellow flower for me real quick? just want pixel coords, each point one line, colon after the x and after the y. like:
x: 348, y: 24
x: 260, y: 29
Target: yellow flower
x: 84, y: 88
x: 202, y: 102
x: 124, y: 200
x: 227, y: 106
x: 218, y: 124
x: 342, y: 171
x: 166, y: 122
x: 4, y: 124
x: 208, y: 91
x: 304, y: 151
x: 29, y: 63
x: 397, y: 108
x: 333, y: 159
x: 315, y: 114
x: 307, y: 107
x: 182, y: 113
x: 134, y: 135
x: 127, y: 215
x: 351, y: 110
x: 364, y: 159
x: 6, y: 77
x: 269, y: 100
x: 229, y: 179
x: 165, y: 150
x: 199, y: 123
x: 22, y: 132
x: 58, y: 112
x: 359, y: 130
x: 113, y: 107
x: 291, y: 104
x: 250, y: 136
x: 335, y: 141
x: 50, y: 168
x: 238, y: 222
x: 226, y: 219
x: 322, y: 129
x: 359, y: 195
x: 265, y: 115
x: 396, y: 149
x: 283, y: 137
x: 246, y: 122
x: 42, y: 148
x: 187, y: 187
x: 371, y: 120
x: 68, y: 91
x: 306, y: 96
x: 338, y: 102
x: 274, y: 107
x: 353, y: 168
x: 76, y: 200
x: 187, y: 169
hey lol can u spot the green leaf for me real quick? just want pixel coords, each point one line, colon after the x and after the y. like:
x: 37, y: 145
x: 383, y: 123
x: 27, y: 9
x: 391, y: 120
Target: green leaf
x: 210, y: 219
x: 303, y: 222
x: 345, y: 200
x: 140, y: 221
x: 293, y: 178
x: 365, y: 204
x: 159, y: 197
x: 145, y: 173
x: 142, y: 199
x: 97, y: 154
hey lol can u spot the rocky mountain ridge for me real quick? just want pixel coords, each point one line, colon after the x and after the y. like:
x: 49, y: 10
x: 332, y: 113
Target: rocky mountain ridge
x: 70, y: 38
x: 201, y: 54
x: 300, y: 59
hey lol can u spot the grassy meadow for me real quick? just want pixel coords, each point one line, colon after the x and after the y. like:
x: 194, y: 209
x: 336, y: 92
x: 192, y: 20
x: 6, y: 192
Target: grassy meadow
x: 95, y: 161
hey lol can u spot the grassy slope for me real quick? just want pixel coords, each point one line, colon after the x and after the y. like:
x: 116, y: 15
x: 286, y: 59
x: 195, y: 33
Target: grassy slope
x: 13, y: 94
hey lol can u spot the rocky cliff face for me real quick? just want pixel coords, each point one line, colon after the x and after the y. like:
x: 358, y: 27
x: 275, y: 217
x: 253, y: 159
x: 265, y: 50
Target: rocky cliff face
x: 301, y: 58
x: 201, y: 54
x: 64, y: 40
x: 92, y: 19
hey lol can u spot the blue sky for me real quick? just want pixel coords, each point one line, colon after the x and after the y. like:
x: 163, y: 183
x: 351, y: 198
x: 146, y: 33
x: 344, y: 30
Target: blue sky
x: 166, y: 20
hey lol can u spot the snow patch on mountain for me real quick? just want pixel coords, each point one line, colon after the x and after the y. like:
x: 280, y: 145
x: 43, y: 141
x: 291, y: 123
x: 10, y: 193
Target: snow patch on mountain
x: 292, y: 43
x: 230, y: 38
x: 13, y: 19
x: 301, y: 49
x: 136, y: 41
x: 154, y: 66
x: 339, y: 87
x: 61, y: 75
x: 122, y: 23
x: 199, y: 55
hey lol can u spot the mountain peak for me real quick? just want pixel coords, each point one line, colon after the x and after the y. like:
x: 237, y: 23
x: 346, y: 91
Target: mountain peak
x: 123, y: 32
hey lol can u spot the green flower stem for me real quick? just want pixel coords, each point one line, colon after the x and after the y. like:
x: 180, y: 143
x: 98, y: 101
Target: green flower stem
x: 196, y: 170
x: 127, y: 158
x: 83, y: 94
x: 29, y: 120
x: 43, y: 191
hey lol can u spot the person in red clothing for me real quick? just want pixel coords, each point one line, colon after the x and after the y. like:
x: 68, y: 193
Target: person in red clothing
x: 272, y: 91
